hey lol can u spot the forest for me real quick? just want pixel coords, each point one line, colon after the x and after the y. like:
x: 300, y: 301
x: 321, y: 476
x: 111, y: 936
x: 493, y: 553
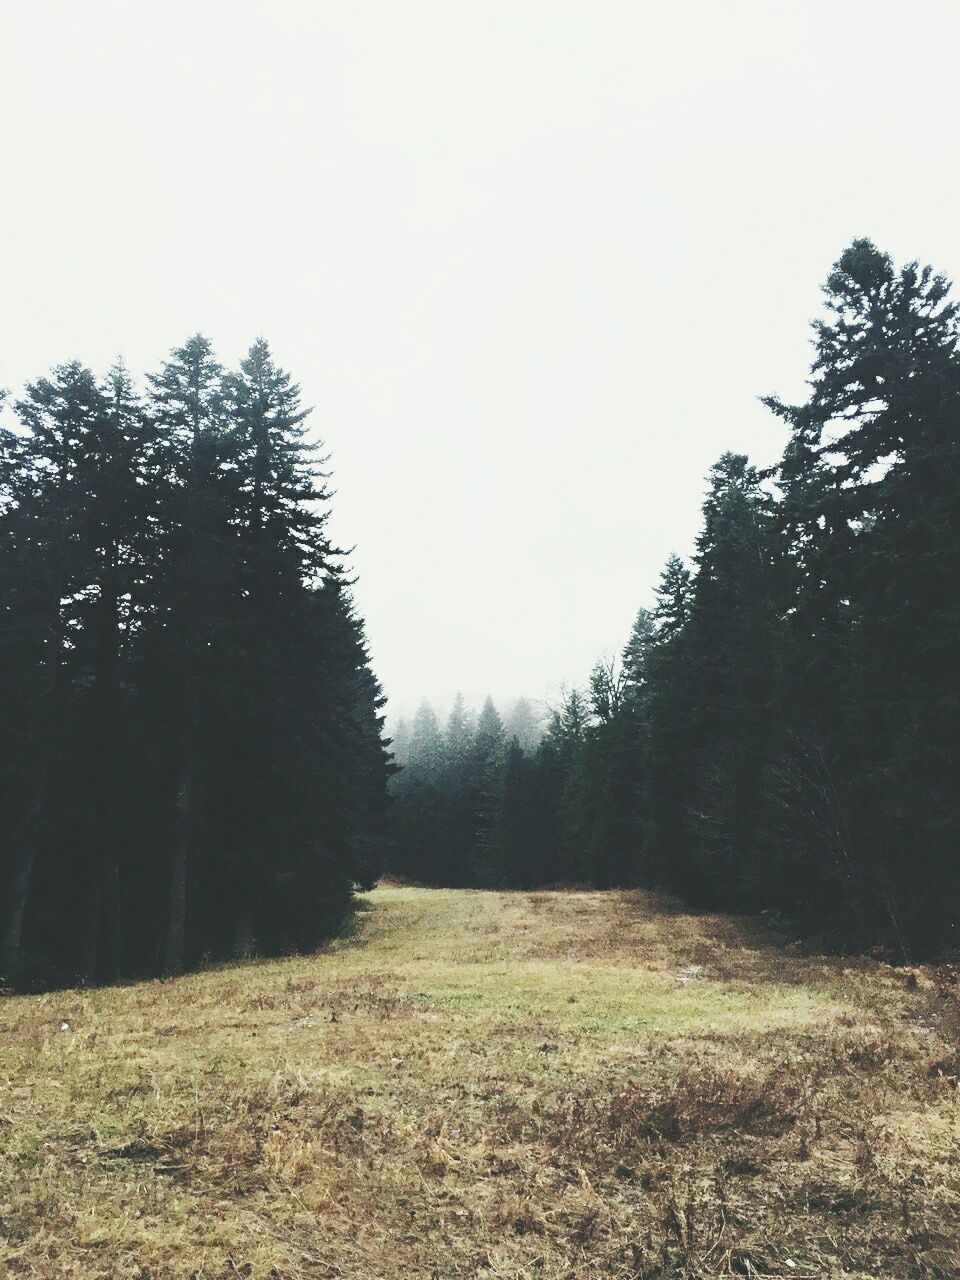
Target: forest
x: 780, y: 734
x: 193, y: 761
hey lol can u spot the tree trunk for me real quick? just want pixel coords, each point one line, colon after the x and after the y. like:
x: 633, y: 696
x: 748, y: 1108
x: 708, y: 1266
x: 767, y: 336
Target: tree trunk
x: 90, y: 942
x: 18, y: 892
x: 244, y: 942
x: 112, y: 943
x: 17, y: 897
x: 173, y: 953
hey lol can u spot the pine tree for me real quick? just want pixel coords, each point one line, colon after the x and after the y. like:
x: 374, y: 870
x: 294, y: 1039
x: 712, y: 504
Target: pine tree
x: 670, y: 710
x: 188, y: 406
x: 516, y: 824
x: 521, y: 723
x: 401, y: 741
x: 282, y: 512
x: 119, y: 564
x: 734, y: 646
x: 614, y: 771
x: 421, y: 848
x: 459, y: 734
x: 76, y: 510
x: 871, y: 511
x: 634, y: 657
x: 484, y: 794
x: 426, y: 742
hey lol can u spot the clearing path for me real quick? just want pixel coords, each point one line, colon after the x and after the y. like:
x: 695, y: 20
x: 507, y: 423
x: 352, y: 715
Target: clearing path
x: 527, y: 1086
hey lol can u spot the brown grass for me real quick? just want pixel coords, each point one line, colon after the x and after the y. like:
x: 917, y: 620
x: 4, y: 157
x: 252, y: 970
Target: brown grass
x: 523, y: 1086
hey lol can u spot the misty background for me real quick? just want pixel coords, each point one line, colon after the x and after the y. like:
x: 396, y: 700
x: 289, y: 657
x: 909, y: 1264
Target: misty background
x: 533, y: 263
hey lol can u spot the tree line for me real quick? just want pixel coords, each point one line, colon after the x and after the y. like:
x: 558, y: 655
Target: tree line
x: 192, y: 762
x: 782, y: 730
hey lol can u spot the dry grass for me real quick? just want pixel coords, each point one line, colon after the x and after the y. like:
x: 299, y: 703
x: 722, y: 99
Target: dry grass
x: 523, y: 1086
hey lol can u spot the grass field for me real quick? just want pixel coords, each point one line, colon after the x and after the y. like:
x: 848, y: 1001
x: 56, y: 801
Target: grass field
x: 524, y: 1086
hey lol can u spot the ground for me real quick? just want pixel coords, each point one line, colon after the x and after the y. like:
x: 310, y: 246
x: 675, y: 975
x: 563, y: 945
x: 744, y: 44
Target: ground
x: 524, y: 1086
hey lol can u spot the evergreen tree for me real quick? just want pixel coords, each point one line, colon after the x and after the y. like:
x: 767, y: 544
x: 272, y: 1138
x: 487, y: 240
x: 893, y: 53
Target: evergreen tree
x: 421, y: 810
x: 670, y: 710
x: 199, y: 564
x: 521, y: 723
x: 634, y: 657
x: 401, y: 741
x: 282, y: 510
x: 426, y: 741
x: 733, y: 640
x: 42, y: 513
x: 871, y: 512
x: 460, y: 732
x: 484, y: 793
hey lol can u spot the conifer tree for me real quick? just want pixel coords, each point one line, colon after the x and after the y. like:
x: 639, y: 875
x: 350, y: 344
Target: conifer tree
x: 733, y: 647
x: 426, y: 742
x: 484, y: 794
x: 670, y: 710
x: 459, y: 734
x: 40, y: 517
x: 871, y: 513
x: 199, y: 565
x: 521, y: 723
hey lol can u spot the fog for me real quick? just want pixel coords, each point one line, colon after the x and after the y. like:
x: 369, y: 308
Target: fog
x: 533, y: 263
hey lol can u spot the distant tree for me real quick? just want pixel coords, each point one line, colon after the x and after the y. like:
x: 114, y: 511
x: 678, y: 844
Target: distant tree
x: 460, y: 731
x: 426, y: 741
x: 489, y: 735
x: 514, y: 840
x: 485, y: 790
x: 401, y: 740
x: 522, y: 723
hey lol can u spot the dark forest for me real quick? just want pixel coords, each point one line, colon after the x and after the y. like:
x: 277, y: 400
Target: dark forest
x: 191, y: 757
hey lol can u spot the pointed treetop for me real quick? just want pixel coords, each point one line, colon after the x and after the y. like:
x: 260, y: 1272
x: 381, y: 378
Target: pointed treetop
x: 489, y: 726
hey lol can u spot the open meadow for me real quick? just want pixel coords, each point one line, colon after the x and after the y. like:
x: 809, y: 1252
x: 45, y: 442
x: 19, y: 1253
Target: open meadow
x: 523, y: 1086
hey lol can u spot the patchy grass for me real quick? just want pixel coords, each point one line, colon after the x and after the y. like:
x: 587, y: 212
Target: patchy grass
x: 524, y: 1086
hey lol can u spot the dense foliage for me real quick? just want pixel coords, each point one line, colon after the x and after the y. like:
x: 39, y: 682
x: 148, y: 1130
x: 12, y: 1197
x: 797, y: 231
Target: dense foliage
x: 782, y: 732
x: 191, y: 760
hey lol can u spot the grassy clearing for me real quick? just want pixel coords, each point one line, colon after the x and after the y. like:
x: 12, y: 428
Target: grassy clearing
x: 523, y: 1086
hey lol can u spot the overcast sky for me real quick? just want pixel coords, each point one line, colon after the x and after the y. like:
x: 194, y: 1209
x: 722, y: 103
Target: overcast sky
x: 531, y: 262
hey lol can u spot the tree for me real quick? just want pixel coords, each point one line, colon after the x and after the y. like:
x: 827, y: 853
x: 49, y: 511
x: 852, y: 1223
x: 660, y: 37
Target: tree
x: 482, y: 797
x: 521, y: 723
x: 401, y: 740
x: 460, y: 732
x: 734, y: 646
x: 41, y: 511
x: 426, y: 741
x: 74, y: 480
x: 871, y: 513
x: 188, y: 405
x: 635, y: 654
x: 670, y: 709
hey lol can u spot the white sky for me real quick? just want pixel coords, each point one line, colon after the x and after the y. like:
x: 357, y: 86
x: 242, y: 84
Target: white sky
x: 532, y: 262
